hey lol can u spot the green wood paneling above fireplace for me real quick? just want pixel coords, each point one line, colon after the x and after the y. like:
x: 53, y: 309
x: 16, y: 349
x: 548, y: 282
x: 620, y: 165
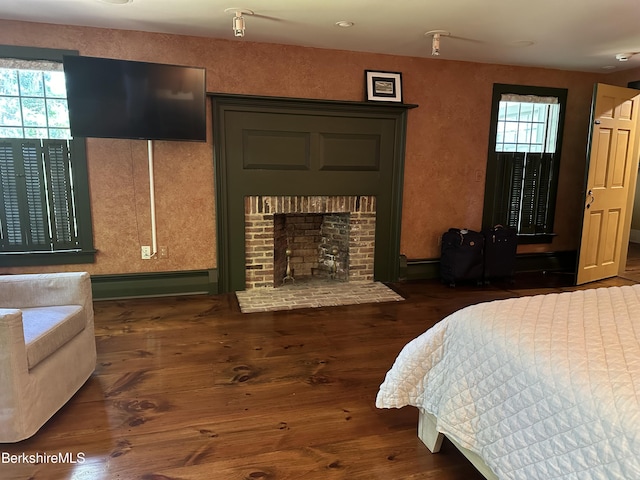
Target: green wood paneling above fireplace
x: 282, y: 146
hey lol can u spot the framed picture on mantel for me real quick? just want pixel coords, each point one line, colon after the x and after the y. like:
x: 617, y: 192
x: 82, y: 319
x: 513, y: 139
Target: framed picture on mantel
x: 383, y: 86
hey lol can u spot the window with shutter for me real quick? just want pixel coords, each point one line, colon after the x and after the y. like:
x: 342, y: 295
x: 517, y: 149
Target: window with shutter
x: 523, y: 160
x: 44, y: 215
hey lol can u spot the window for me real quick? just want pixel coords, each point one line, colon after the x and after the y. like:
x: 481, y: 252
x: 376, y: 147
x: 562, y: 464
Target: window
x: 33, y: 101
x: 44, y: 213
x: 523, y: 160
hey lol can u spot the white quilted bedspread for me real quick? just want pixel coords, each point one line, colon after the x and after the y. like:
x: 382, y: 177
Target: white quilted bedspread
x: 542, y: 387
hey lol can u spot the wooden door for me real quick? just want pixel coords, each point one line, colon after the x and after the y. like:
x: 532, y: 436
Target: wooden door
x: 610, y: 185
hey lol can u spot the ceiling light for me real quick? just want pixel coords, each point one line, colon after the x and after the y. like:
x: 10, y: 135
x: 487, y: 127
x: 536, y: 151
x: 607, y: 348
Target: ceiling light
x: 344, y: 24
x: 116, y: 2
x: 238, y: 24
x: 435, y: 40
x: 623, y: 57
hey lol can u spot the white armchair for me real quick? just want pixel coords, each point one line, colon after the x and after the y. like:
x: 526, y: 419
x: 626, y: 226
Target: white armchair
x: 47, y: 347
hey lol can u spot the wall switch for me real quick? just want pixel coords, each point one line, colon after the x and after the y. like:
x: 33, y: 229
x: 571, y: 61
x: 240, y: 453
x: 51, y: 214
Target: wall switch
x: 146, y: 252
x: 163, y: 252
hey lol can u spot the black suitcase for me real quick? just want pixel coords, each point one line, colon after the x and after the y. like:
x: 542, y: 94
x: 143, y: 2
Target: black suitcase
x: 500, y: 245
x: 461, y: 256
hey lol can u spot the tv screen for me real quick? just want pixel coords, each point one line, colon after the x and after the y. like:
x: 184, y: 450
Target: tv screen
x: 111, y: 98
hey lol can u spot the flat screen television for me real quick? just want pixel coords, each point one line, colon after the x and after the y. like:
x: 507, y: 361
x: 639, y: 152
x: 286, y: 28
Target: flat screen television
x: 110, y: 98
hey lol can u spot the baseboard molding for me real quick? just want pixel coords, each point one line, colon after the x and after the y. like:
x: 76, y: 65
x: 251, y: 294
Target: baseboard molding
x: 565, y: 261
x: 108, y: 287
x: 192, y: 282
x: 428, y: 269
x: 634, y: 236
x: 421, y: 269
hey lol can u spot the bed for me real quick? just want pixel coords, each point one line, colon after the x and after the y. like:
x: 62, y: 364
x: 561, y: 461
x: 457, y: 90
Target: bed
x: 539, y: 387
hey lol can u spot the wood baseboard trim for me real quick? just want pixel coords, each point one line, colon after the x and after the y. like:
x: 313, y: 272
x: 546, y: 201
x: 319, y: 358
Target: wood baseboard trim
x: 135, y: 285
x: 428, y: 269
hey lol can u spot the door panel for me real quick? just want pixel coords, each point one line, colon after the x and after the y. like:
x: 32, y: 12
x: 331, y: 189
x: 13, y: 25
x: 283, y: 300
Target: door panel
x: 593, y: 239
x: 612, y: 237
x: 626, y: 111
x: 610, y: 186
x: 601, y: 160
x: 619, y: 165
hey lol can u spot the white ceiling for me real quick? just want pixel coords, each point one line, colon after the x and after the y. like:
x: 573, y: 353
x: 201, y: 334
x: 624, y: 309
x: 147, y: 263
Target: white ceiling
x: 580, y: 35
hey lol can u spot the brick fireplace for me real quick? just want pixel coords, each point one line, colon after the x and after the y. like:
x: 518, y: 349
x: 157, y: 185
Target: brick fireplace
x: 340, y: 162
x: 325, y: 236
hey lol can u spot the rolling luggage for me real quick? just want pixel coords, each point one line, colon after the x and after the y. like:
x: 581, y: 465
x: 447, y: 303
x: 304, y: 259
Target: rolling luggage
x: 500, y: 245
x: 462, y: 256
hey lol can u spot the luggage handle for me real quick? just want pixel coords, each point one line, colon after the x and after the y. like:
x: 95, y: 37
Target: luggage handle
x: 496, y: 227
x: 461, y: 233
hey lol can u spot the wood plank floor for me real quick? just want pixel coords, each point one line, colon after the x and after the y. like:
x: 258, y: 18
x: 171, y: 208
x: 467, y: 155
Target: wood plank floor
x: 190, y: 388
x: 632, y: 271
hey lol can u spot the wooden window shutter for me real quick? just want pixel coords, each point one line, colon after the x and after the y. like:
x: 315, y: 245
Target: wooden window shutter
x: 535, y: 193
x: 10, y: 227
x: 509, y: 173
x: 35, y: 224
x: 37, y: 211
x: 61, y: 204
x: 524, y: 179
x: 23, y: 216
x: 544, y: 209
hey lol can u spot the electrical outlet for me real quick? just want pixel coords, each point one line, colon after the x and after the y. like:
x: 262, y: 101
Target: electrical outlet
x: 163, y: 252
x: 146, y: 252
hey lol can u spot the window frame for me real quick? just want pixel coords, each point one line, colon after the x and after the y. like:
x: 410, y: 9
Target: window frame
x: 78, y: 158
x: 497, y: 186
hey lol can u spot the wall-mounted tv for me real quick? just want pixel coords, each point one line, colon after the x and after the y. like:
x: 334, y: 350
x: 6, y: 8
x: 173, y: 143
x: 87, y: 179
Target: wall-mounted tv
x: 110, y: 98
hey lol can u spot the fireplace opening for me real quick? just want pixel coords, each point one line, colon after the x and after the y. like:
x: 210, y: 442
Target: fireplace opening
x: 310, y: 246
x: 330, y: 238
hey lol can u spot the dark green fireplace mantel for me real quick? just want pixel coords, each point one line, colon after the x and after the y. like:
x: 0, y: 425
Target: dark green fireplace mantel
x: 285, y: 146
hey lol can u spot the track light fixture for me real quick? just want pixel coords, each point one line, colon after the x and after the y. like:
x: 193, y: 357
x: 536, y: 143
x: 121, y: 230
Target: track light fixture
x: 624, y: 57
x: 435, y: 44
x: 238, y: 24
x: 435, y: 40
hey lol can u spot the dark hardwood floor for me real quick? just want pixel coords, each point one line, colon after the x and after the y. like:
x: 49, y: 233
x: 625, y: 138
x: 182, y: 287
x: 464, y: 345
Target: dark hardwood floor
x: 190, y: 388
x: 632, y: 271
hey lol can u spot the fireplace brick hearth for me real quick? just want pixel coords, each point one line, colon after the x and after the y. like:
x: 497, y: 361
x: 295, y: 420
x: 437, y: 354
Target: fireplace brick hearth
x: 264, y: 265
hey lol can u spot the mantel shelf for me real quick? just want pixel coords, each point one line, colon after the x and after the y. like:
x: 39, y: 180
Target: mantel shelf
x: 306, y: 102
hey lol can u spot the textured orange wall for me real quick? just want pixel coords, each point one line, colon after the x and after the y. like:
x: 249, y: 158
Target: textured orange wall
x: 446, y: 148
x: 624, y: 77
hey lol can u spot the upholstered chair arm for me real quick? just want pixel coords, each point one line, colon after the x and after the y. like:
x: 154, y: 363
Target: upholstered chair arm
x: 46, y: 289
x: 13, y: 362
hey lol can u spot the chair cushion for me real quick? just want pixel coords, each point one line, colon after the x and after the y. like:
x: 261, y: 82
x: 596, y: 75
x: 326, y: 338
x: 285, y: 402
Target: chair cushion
x: 46, y: 329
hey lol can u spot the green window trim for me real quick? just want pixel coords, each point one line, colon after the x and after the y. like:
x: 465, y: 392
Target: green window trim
x: 34, y: 259
x: 67, y: 244
x: 521, y: 187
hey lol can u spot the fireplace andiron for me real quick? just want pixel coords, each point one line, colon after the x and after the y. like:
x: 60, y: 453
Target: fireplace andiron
x: 288, y: 274
x: 333, y: 259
